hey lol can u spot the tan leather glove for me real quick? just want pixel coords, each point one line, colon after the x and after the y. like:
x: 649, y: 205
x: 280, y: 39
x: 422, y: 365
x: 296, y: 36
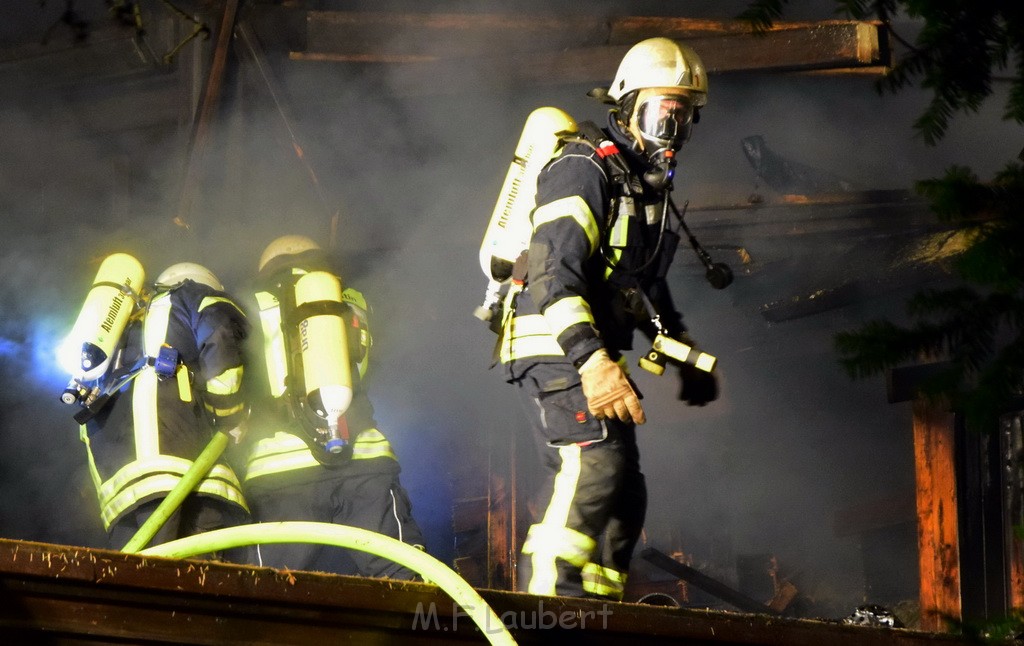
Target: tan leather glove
x: 608, y: 391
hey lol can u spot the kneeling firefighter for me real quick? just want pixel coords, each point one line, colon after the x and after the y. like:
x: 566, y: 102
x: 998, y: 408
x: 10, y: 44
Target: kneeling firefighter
x: 174, y: 377
x: 593, y: 271
x: 316, y: 453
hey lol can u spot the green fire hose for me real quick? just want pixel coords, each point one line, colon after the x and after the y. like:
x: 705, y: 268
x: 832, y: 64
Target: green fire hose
x: 177, y: 495
x: 363, y: 540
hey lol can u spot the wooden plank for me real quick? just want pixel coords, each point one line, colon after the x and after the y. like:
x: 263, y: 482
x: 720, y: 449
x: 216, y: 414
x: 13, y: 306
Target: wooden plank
x: 445, y: 35
x: 430, y: 36
x: 57, y: 594
x: 938, y: 541
x: 431, y: 53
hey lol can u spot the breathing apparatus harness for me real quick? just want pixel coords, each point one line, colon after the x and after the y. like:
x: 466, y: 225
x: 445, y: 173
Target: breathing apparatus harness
x: 664, y: 346
x: 305, y: 420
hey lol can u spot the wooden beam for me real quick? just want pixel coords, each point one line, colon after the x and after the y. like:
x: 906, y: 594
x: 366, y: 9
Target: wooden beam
x: 391, y: 35
x: 938, y: 538
x: 205, y: 114
x: 54, y: 594
x: 1012, y: 482
x: 431, y: 53
x: 704, y: 582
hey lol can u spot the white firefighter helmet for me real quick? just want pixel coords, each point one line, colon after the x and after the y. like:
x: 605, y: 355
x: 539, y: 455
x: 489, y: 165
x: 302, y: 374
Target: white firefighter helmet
x: 659, y: 85
x: 182, y: 271
x: 286, y: 246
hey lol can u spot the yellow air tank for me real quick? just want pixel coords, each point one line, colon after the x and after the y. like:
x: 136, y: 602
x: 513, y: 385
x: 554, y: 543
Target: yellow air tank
x: 508, y: 232
x: 323, y: 343
x: 103, y: 317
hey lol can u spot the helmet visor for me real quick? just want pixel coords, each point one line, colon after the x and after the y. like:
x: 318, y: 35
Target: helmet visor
x: 665, y: 120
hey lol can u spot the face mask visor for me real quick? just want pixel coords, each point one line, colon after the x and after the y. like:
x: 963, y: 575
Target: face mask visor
x: 664, y: 121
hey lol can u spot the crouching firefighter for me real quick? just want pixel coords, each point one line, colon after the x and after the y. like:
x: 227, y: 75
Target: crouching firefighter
x: 173, y: 378
x: 600, y: 244
x: 316, y: 453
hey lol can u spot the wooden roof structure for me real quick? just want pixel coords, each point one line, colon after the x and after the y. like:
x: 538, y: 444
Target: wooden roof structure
x: 57, y: 594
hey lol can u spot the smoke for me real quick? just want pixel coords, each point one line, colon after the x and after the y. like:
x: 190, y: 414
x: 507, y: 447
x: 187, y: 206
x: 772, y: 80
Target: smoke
x: 400, y: 187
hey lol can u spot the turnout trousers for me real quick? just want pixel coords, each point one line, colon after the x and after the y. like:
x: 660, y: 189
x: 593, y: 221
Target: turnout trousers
x: 362, y: 493
x: 593, y: 494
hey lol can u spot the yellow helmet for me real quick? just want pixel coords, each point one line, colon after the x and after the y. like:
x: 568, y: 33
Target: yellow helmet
x: 182, y: 271
x: 661, y: 63
x: 286, y: 246
x: 659, y: 86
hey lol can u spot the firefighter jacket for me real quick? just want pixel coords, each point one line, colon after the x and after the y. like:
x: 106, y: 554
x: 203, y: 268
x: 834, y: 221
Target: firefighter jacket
x: 598, y: 250
x: 142, y: 443
x: 279, y: 444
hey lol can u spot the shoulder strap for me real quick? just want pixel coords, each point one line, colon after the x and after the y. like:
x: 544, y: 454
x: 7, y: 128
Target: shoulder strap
x: 607, y: 151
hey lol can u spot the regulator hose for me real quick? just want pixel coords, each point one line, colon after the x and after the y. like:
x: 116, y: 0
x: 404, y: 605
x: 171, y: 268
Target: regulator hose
x: 427, y: 566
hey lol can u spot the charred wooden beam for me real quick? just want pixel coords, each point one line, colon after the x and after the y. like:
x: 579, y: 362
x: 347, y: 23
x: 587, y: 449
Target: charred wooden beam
x: 704, y: 582
x: 429, y: 53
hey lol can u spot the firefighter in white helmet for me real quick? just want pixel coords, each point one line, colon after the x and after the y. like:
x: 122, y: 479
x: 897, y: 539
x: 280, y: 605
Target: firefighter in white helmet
x: 299, y: 467
x: 594, y: 272
x: 182, y: 362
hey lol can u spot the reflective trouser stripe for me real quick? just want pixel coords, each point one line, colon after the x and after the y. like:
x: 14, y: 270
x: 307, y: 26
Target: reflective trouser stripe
x: 528, y: 336
x: 551, y: 539
x: 603, y: 581
x: 545, y: 545
x: 566, y: 479
x: 371, y: 443
x: 141, y: 479
x: 286, y: 452
x: 226, y: 383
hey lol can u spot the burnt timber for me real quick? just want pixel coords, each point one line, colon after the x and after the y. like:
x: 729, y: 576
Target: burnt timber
x: 57, y: 594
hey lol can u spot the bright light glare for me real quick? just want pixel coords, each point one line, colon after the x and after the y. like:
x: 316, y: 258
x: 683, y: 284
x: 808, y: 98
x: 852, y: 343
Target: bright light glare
x: 69, y: 355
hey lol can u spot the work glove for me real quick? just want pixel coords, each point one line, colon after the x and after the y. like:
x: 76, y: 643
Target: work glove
x: 608, y: 391
x: 698, y: 387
